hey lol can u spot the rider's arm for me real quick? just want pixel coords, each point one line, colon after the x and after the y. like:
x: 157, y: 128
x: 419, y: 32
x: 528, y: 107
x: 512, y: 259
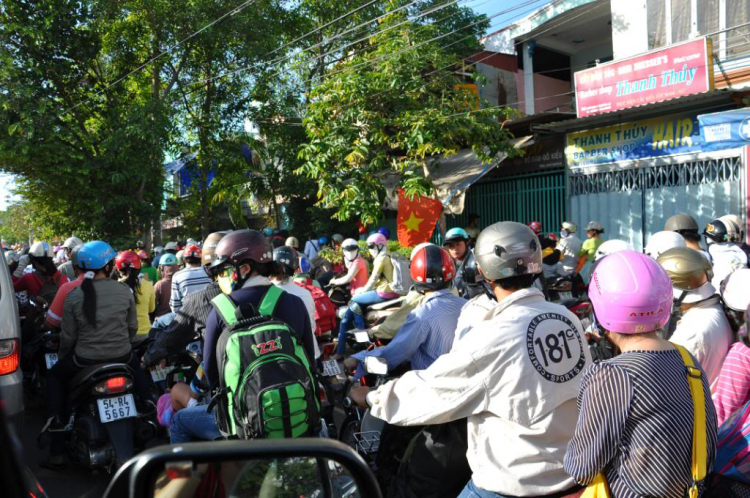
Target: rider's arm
x: 377, y: 270
x: 452, y: 388
x: 175, y: 301
x: 411, y: 335
x: 350, y: 274
x: 22, y: 283
x: 132, y: 318
x: 68, y: 328
x: 603, y: 403
x: 55, y: 311
x: 210, y: 340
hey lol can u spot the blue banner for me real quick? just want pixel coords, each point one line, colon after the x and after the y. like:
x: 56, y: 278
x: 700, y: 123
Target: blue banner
x: 725, y: 130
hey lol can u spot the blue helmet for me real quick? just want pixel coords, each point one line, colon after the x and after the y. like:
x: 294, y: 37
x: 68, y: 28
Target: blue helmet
x: 95, y: 255
x: 323, y: 240
x: 456, y: 234
x: 386, y: 233
x: 304, y: 265
x: 268, y: 231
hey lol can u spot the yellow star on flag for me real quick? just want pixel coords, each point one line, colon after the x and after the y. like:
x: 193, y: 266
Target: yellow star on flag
x: 412, y: 224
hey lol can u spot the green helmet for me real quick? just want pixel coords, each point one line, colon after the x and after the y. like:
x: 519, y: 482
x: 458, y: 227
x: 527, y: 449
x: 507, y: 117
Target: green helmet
x: 168, y: 260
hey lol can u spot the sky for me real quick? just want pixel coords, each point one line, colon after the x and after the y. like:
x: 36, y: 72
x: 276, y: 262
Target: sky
x: 492, y: 7
x: 488, y: 7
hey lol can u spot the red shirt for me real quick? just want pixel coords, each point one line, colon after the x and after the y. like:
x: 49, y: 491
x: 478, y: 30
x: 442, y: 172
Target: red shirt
x: 32, y: 283
x: 55, y: 311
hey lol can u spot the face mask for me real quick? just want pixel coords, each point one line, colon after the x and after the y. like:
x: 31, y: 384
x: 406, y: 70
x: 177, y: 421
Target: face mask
x: 564, y: 233
x: 351, y: 255
x: 374, y: 252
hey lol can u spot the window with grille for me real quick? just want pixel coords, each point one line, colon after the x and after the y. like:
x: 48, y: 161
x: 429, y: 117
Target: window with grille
x: 652, y: 177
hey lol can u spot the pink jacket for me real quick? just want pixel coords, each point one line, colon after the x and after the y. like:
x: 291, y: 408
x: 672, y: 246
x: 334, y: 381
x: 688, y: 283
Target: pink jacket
x: 733, y: 387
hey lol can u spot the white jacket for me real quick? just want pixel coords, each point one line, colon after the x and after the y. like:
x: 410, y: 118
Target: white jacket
x: 705, y: 332
x: 472, y: 314
x: 570, y: 246
x: 520, y: 400
x: 304, y: 294
x: 726, y: 258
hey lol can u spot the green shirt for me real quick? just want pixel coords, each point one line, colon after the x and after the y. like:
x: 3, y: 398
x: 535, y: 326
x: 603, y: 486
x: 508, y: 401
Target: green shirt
x: 589, y: 248
x: 150, y: 273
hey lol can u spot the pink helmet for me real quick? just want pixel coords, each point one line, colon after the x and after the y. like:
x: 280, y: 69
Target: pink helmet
x: 631, y: 293
x: 378, y: 239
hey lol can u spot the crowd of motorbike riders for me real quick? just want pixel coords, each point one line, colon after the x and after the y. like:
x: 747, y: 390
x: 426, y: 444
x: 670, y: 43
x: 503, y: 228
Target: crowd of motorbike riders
x: 494, y: 386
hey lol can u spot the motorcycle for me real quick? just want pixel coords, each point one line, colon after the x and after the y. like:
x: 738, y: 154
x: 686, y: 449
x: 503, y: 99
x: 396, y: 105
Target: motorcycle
x: 39, y: 357
x: 105, y: 427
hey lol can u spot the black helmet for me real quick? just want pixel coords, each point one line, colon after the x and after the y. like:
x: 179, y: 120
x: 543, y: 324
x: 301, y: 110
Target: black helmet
x: 286, y: 259
x: 469, y: 271
x: 717, y: 231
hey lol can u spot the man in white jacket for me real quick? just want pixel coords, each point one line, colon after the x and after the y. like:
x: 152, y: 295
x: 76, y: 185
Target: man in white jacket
x: 703, y: 328
x: 515, y: 377
x: 570, y: 247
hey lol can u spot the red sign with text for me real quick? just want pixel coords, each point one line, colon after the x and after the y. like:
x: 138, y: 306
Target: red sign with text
x: 669, y: 73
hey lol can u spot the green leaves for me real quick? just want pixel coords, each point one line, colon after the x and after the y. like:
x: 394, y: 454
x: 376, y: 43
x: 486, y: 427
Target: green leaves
x: 392, y: 106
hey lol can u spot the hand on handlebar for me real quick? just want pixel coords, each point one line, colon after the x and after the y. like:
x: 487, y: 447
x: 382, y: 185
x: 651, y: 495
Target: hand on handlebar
x: 350, y: 364
x: 358, y: 395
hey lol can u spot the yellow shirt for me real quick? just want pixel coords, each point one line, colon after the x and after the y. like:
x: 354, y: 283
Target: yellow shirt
x: 146, y: 304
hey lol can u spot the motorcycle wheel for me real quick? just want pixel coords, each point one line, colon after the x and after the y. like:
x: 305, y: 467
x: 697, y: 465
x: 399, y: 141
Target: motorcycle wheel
x: 346, y: 433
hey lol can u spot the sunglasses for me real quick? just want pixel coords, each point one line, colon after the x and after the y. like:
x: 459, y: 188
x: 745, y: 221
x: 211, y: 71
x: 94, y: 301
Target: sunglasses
x: 372, y: 246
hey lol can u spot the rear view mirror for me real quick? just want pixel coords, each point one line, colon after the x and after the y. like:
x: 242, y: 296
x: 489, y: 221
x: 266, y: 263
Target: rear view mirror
x: 286, y: 468
x: 376, y: 365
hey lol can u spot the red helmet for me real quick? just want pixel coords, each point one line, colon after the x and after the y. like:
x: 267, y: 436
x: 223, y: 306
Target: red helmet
x: 432, y: 267
x: 192, y: 251
x: 126, y: 260
x: 552, y: 237
x: 536, y: 227
x: 143, y: 254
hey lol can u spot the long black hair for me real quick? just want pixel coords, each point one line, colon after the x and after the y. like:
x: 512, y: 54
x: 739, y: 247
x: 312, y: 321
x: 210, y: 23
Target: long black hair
x: 134, y: 282
x: 89, y: 295
x: 47, y: 266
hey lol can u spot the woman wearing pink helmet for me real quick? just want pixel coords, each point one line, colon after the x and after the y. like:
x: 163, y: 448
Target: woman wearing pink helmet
x: 376, y: 290
x: 636, y: 410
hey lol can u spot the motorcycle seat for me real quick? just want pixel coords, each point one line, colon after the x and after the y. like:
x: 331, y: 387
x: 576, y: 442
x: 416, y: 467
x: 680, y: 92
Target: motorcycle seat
x: 387, y: 304
x: 98, y: 372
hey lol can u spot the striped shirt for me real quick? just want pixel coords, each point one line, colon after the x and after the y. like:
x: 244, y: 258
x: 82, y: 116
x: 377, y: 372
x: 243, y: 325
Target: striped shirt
x: 186, y: 281
x: 426, y: 335
x: 190, y: 320
x: 732, y: 390
x: 636, y: 425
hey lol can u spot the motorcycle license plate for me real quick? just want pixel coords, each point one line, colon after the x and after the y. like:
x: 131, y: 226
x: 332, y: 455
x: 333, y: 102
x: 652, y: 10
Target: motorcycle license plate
x: 111, y: 409
x: 331, y: 368
x: 159, y: 373
x: 362, y: 336
x: 50, y: 359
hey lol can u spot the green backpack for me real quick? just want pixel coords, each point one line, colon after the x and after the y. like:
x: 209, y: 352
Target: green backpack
x: 266, y: 387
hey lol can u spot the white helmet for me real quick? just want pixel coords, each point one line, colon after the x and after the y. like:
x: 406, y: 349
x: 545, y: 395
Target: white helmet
x: 570, y: 226
x: 734, y: 227
x: 612, y: 246
x: 594, y: 225
x: 350, y: 247
x: 661, y: 242
x: 736, y: 290
x: 72, y: 242
x: 41, y: 250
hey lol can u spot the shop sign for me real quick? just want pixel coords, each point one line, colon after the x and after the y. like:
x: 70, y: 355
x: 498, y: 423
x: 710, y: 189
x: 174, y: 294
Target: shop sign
x: 656, y: 137
x: 659, y: 75
x: 544, y: 154
x: 725, y: 130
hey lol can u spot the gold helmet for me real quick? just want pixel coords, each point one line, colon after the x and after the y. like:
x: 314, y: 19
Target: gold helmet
x: 687, y: 268
x: 209, y: 246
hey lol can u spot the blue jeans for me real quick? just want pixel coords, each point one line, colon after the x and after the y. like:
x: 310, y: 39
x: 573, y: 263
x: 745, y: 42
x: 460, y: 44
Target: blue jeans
x: 193, y: 424
x: 363, y: 300
x: 473, y: 491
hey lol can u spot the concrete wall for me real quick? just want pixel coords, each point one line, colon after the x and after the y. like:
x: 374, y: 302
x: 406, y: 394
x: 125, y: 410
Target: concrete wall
x: 580, y: 59
x: 500, y: 87
x: 629, y: 28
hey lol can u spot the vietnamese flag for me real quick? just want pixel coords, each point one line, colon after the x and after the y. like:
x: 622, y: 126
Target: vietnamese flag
x: 416, y: 219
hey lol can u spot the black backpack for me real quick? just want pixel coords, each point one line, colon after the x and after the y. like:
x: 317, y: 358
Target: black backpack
x: 50, y: 286
x: 266, y: 385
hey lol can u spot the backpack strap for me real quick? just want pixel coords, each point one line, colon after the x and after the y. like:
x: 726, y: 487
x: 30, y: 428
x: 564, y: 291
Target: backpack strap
x: 700, y: 450
x: 270, y: 301
x: 226, y: 308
